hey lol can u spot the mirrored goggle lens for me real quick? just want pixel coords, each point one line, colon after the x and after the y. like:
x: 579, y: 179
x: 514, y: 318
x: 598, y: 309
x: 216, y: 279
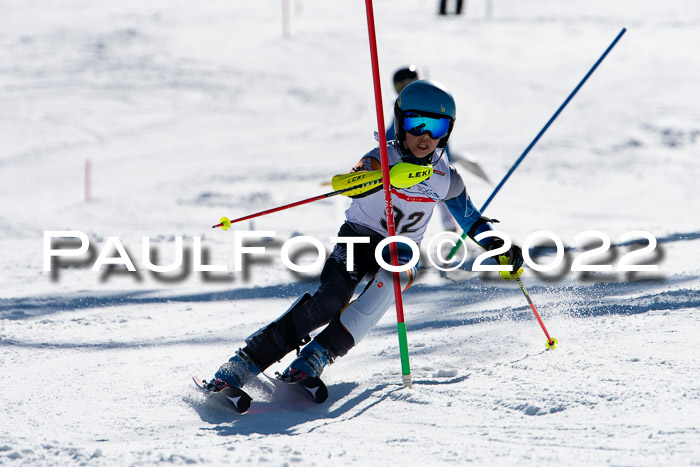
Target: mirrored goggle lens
x: 417, y: 124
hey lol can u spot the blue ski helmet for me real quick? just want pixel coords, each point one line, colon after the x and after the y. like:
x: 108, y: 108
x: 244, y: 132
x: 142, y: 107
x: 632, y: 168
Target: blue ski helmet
x: 429, y: 99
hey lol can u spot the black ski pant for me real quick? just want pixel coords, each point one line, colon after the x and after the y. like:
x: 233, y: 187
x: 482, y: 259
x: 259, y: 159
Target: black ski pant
x: 335, y: 291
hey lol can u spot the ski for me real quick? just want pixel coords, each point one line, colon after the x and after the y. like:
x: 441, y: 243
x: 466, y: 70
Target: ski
x: 234, y: 397
x: 313, y: 387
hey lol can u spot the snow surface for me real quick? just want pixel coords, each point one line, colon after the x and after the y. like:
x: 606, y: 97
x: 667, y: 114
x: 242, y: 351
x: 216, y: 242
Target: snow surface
x: 190, y: 111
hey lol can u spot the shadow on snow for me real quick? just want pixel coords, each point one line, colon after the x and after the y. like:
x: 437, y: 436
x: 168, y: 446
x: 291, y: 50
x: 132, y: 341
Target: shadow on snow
x: 285, y: 411
x: 460, y: 303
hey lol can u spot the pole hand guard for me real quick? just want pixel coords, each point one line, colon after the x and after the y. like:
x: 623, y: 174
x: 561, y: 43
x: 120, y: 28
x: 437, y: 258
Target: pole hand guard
x: 402, y: 175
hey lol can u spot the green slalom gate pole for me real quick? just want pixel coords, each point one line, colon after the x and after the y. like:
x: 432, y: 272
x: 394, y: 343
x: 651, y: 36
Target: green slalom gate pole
x: 455, y: 249
x: 401, y: 325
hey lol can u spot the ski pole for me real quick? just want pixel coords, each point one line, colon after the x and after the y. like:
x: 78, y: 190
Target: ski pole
x: 403, y: 175
x: 225, y: 223
x: 551, y: 343
x: 539, y: 135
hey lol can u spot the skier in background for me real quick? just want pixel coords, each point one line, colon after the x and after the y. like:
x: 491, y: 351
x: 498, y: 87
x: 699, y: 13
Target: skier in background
x: 424, y: 114
x: 458, y: 7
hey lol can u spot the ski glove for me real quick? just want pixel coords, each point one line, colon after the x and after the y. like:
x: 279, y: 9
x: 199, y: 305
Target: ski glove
x: 513, y: 257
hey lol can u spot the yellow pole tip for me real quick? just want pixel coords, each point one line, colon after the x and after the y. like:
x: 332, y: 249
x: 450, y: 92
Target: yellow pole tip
x: 552, y: 344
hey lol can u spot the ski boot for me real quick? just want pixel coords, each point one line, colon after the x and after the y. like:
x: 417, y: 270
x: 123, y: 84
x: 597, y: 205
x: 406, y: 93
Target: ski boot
x: 306, y: 370
x: 236, y: 372
x: 228, y: 381
x: 309, y: 364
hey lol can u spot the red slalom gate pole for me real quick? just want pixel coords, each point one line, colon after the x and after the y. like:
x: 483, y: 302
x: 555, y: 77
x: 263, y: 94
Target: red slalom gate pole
x: 401, y: 325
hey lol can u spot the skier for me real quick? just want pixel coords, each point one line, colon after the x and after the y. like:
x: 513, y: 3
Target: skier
x: 424, y: 114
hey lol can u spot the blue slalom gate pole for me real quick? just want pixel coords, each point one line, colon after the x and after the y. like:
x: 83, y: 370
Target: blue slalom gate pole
x: 551, y: 120
x: 539, y: 135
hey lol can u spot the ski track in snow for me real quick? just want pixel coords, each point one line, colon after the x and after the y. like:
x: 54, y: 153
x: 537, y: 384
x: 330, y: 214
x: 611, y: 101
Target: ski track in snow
x: 190, y: 113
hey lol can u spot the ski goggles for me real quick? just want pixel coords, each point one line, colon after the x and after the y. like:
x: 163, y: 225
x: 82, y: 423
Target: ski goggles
x: 417, y: 124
